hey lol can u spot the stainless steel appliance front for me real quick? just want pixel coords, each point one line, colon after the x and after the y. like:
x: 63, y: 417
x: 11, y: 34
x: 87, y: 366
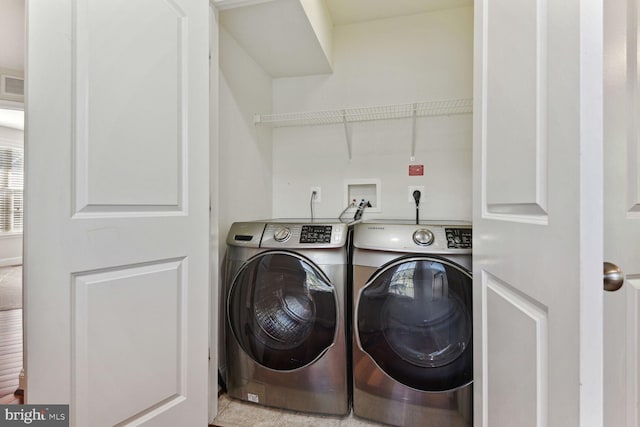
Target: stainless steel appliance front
x: 285, y: 316
x: 412, y: 338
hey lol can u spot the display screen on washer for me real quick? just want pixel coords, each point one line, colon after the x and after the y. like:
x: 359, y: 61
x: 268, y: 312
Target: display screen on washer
x: 315, y: 234
x: 414, y: 319
x: 282, y: 310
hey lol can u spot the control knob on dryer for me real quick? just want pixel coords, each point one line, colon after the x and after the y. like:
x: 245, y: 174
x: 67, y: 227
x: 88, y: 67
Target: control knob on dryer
x: 423, y: 237
x: 281, y: 234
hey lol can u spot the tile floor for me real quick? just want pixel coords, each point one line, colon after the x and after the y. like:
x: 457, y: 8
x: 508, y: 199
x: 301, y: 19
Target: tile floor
x: 235, y: 413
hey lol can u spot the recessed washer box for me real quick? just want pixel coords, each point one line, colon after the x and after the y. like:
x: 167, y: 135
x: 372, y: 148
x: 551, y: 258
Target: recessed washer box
x: 367, y: 189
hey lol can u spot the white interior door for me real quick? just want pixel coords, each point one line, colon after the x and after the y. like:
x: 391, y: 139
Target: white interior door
x: 622, y: 213
x: 538, y: 213
x: 117, y: 224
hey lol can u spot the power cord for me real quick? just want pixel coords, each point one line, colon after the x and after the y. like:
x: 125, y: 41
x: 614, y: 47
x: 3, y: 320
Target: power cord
x: 314, y: 194
x: 416, y: 198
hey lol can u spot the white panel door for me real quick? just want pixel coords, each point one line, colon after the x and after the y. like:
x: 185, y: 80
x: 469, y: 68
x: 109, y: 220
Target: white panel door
x: 538, y: 213
x: 117, y: 210
x: 622, y: 212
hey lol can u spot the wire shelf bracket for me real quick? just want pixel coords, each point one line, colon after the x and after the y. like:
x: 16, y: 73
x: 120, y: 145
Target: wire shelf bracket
x: 347, y: 133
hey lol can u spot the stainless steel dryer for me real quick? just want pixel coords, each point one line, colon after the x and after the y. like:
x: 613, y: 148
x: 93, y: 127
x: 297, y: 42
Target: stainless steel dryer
x: 412, y: 338
x: 286, y: 336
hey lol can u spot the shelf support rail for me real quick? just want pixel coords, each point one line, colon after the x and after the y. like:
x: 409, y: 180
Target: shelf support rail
x: 347, y: 132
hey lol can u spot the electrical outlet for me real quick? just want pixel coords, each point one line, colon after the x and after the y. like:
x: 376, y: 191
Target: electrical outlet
x: 413, y: 188
x: 318, y: 197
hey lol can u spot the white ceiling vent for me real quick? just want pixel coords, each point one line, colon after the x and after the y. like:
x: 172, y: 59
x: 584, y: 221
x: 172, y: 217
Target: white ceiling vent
x: 11, y: 87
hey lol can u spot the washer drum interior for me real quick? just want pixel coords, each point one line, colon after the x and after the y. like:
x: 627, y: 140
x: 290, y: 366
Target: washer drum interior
x: 282, y: 310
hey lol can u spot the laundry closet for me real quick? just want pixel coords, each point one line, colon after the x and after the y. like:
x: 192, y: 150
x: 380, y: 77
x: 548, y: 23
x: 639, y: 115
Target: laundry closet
x: 286, y: 65
x: 313, y: 96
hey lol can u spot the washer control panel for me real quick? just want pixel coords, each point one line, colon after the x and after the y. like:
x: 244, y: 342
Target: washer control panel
x: 292, y: 235
x: 316, y: 234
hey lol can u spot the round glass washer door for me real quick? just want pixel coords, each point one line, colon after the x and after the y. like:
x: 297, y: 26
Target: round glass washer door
x: 282, y: 310
x: 414, y: 320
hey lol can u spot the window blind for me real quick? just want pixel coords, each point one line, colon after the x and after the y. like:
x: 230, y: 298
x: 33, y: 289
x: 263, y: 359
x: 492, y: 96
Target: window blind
x: 11, y: 188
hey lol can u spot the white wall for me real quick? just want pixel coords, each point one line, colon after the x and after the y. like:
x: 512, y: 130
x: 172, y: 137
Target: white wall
x: 11, y: 244
x: 320, y: 19
x: 244, y: 150
x: 391, y: 61
x: 12, y: 34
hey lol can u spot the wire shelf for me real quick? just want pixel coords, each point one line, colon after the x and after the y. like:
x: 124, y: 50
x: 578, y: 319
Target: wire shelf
x: 385, y: 112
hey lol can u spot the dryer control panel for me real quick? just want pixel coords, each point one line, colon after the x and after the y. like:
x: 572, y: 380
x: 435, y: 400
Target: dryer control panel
x: 424, y: 238
x: 458, y: 238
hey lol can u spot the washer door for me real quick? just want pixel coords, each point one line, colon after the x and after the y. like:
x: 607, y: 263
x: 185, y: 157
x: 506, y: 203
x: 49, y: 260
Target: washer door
x: 282, y: 310
x: 414, y: 319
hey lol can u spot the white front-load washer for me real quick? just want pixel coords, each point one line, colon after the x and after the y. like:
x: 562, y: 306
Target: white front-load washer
x: 412, y: 329
x: 285, y: 303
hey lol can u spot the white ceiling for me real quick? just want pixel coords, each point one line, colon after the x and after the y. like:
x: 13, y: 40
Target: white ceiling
x: 277, y: 34
x: 345, y: 12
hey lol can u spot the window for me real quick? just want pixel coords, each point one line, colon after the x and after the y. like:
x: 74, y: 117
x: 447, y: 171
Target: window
x: 11, y: 188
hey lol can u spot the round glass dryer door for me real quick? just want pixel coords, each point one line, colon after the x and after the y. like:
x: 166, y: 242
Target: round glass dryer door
x: 414, y: 320
x: 283, y: 311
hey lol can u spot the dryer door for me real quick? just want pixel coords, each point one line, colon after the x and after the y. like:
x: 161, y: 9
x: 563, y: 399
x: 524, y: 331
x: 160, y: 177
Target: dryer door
x: 283, y: 311
x: 414, y: 320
